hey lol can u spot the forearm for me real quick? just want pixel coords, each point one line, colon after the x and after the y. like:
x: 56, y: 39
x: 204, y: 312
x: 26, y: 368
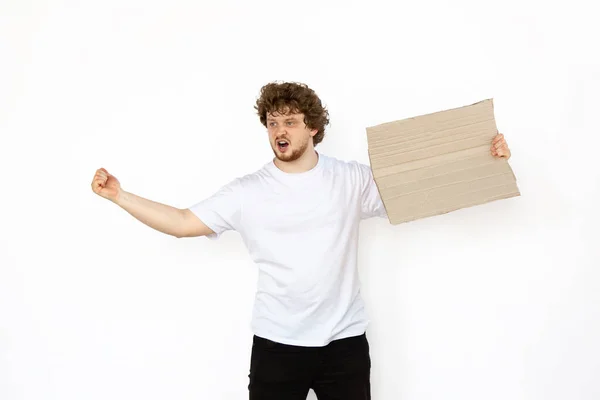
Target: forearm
x: 162, y: 217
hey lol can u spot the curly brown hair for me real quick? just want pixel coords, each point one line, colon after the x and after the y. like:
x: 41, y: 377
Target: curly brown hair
x: 293, y: 97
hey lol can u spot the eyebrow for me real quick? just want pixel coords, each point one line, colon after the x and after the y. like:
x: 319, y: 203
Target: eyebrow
x: 287, y: 119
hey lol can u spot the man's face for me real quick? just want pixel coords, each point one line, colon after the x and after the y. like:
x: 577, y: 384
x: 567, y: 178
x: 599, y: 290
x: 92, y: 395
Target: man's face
x: 288, y: 135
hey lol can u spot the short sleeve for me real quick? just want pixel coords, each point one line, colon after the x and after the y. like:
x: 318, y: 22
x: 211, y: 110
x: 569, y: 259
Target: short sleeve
x: 371, y: 203
x: 221, y: 212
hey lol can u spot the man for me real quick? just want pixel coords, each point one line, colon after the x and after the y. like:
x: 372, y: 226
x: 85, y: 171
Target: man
x: 299, y: 217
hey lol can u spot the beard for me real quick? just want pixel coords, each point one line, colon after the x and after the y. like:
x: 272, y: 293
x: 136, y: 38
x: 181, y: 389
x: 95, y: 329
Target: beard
x: 292, y: 154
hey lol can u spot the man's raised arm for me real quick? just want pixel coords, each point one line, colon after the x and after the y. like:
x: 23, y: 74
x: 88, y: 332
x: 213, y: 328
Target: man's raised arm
x: 164, y: 218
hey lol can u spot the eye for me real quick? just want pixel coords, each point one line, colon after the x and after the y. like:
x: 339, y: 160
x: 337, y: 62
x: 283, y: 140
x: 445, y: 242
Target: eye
x: 290, y: 123
x: 271, y: 123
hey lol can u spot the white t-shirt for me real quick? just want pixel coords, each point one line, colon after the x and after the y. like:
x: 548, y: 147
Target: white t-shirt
x: 301, y: 230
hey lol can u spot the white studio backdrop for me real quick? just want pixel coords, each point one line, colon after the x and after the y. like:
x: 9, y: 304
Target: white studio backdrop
x: 499, y: 301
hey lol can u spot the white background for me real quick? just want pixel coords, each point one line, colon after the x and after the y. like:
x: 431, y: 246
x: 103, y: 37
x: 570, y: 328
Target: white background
x: 499, y: 301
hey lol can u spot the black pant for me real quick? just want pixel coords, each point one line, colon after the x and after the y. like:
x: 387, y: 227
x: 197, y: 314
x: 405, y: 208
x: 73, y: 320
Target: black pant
x: 339, y: 371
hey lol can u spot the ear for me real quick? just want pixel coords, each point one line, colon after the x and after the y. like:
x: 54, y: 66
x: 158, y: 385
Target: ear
x: 314, y: 132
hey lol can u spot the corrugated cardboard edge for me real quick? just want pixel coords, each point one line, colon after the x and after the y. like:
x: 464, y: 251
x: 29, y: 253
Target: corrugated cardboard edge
x: 491, y: 100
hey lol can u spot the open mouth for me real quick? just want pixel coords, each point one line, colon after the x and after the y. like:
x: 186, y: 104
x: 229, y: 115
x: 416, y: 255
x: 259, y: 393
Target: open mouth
x: 282, y: 145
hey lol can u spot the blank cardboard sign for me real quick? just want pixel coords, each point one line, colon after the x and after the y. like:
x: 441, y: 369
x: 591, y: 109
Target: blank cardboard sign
x: 440, y: 162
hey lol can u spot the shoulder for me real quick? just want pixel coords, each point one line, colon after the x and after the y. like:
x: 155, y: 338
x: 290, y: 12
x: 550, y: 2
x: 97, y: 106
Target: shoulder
x: 252, y: 179
x: 351, y: 168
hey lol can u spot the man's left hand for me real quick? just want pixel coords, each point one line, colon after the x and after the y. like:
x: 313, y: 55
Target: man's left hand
x: 499, y: 147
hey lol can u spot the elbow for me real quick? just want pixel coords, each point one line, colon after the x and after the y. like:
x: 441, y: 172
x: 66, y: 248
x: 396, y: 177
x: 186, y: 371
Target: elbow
x: 180, y: 229
x: 179, y: 235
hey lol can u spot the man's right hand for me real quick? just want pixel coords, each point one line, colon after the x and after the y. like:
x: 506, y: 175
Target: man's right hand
x: 106, y: 185
x: 164, y: 218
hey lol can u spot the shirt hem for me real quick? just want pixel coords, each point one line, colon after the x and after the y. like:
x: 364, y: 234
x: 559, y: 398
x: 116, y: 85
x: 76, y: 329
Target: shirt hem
x: 303, y: 343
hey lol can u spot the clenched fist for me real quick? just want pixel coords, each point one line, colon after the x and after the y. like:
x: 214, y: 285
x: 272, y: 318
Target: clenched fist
x: 106, y: 185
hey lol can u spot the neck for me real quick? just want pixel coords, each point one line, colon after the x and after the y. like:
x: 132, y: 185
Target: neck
x: 306, y: 162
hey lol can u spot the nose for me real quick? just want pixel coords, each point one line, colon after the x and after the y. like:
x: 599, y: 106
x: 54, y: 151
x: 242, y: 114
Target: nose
x: 280, y: 131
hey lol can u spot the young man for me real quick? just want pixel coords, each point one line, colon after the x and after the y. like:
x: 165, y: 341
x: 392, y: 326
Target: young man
x: 299, y: 217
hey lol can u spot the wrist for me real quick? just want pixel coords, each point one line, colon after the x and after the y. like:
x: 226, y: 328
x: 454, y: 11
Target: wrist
x: 120, y: 198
